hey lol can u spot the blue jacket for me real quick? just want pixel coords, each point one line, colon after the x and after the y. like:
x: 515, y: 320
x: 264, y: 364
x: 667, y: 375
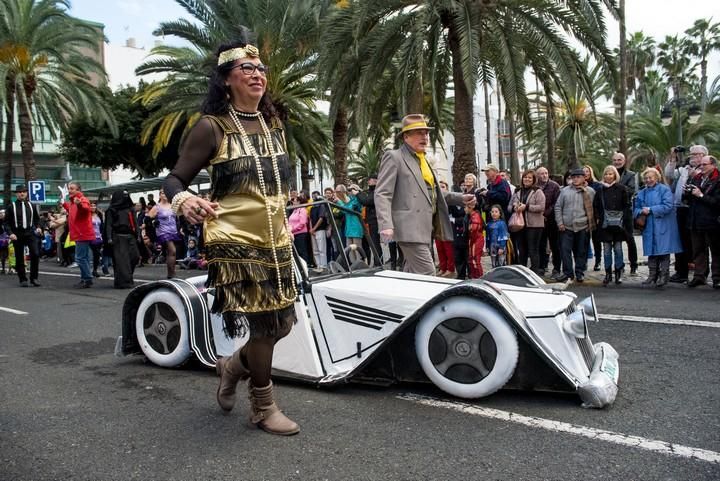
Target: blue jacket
x: 353, y: 223
x: 661, y: 230
x: 497, y: 234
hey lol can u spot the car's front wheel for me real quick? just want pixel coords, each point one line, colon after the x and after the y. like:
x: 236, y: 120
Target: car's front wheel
x: 466, y: 347
x: 161, y: 327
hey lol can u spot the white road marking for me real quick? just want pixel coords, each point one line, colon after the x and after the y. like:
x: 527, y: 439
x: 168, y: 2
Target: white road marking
x: 77, y: 275
x: 13, y: 311
x: 659, y: 320
x: 557, y: 426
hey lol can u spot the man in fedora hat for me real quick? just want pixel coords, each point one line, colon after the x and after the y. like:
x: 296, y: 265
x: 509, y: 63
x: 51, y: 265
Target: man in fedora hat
x: 23, y: 222
x: 411, y: 208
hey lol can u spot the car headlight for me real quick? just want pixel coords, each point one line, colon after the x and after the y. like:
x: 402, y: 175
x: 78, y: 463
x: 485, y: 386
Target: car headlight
x: 588, y: 306
x: 576, y: 324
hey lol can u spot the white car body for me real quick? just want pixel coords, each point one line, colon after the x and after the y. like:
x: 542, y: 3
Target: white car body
x: 470, y: 338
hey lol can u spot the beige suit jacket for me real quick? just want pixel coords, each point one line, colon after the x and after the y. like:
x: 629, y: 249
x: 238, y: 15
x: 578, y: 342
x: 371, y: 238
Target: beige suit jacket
x: 403, y: 201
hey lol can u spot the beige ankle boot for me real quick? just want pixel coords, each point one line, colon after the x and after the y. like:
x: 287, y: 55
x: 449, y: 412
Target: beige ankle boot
x: 265, y: 413
x: 231, y: 371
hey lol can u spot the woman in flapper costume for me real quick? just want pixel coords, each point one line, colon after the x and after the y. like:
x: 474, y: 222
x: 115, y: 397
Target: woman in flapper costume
x: 240, y: 140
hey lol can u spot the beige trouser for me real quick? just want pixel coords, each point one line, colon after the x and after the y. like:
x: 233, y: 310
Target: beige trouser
x: 418, y: 258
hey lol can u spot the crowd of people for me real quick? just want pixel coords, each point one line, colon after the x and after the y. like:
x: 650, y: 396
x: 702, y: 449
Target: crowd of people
x: 80, y: 235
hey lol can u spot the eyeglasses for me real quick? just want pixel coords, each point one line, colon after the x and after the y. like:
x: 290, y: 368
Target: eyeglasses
x: 249, y: 68
x: 702, y: 164
x: 617, y: 159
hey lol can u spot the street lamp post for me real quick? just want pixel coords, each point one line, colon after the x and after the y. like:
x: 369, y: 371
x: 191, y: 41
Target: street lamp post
x: 666, y: 115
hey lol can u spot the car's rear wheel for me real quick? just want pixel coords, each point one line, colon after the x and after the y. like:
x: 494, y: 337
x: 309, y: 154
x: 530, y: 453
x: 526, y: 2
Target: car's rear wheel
x: 161, y: 327
x: 466, y: 347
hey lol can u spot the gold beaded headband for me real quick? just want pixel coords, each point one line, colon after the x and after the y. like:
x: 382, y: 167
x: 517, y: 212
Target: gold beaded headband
x: 236, y: 53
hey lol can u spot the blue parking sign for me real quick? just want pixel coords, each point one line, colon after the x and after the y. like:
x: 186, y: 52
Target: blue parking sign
x: 36, y: 189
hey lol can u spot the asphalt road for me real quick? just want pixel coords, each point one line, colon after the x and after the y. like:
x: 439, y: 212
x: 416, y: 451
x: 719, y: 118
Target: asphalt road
x: 71, y: 410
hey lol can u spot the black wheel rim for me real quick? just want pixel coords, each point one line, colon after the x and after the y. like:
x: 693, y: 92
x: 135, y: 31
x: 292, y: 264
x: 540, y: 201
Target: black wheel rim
x: 161, y: 327
x: 462, y: 350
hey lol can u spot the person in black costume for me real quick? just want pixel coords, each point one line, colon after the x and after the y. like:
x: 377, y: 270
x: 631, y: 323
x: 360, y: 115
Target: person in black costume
x: 367, y: 199
x: 120, y: 232
x: 23, y: 222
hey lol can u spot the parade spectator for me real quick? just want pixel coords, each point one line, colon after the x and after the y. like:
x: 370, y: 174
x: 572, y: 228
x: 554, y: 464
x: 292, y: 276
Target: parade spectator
x: 460, y: 234
x: 446, y: 256
x: 629, y: 180
x: 248, y: 246
x: 660, y: 236
x: 151, y: 201
x: 703, y: 198
x: 408, y: 198
x: 22, y: 221
x: 592, y: 181
x: 298, y: 220
x: 47, y: 245
x: 498, y: 190
x: 96, y: 245
x: 611, y: 206
x: 549, y: 237
x: 318, y: 230
x: 529, y: 201
x: 574, y: 215
x: 678, y: 174
x: 476, y: 241
x: 58, y: 223
x: 120, y: 233
x: 367, y: 199
x: 354, y: 229
x: 4, y: 242
x: 192, y: 255
x: 333, y: 248
x: 497, y: 236
x: 166, y: 231
x: 81, y: 231
x: 507, y: 177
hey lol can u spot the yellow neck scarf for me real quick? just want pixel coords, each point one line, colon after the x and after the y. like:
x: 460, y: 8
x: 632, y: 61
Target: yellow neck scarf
x: 425, y: 170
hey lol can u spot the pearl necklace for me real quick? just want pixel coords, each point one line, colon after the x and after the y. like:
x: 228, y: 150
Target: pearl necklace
x: 261, y: 178
x: 247, y: 115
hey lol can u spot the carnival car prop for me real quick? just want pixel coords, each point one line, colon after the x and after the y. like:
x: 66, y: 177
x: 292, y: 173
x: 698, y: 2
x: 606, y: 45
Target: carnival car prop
x: 358, y: 323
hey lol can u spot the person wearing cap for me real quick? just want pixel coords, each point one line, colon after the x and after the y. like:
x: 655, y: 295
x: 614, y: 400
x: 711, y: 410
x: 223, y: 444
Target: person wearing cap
x: 574, y: 215
x: 411, y: 208
x: 23, y: 222
x: 367, y: 199
x: 498, y: 189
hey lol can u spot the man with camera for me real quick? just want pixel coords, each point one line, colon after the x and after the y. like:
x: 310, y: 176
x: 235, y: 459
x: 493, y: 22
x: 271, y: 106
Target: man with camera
x: 678, y: 173
x: 702, y: 194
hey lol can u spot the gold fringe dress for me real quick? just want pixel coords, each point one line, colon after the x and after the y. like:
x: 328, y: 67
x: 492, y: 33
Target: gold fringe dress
x: 241, y: 265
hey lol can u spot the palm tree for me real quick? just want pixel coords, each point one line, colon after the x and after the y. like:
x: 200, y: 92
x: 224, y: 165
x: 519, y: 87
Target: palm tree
x: 673, y: 59
x: 487, y: 41
x: 46, y: 72
x: 641, y: 56
x: 286, y: 36
x: 704, y: 38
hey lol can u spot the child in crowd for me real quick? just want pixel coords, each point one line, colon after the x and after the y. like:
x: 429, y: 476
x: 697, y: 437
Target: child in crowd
x: 497, y: 236
x: 476, y: 241
x: 47, y: 246
x: 191, y: 255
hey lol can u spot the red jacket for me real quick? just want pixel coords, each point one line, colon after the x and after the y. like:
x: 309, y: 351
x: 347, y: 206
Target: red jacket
x: 80, y: 218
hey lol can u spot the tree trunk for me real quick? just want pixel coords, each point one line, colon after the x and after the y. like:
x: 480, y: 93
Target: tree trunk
x: 703, y: 84
x: 572, y: 153
x: 304, y: 172
x: 622, y: 147
x: 9, y: 135
x: 501, y: 153
x: 26, y: 136
x: 514, y: 160
x: 488, y: 126
x: 550, y: 131
x: 340, y: 145
x: 464, y: 156
x: 415, y: 104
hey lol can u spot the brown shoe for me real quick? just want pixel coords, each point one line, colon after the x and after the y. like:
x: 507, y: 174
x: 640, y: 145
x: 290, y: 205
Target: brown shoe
x: 231, y: 371
x: 266, y: 415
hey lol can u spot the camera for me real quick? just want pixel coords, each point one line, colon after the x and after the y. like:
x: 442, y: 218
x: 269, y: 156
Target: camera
x: 688, y: 188
x: 679, y: 149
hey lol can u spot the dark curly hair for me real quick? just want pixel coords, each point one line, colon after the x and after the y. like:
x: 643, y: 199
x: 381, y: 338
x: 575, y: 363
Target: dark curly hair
x: 217, y: 101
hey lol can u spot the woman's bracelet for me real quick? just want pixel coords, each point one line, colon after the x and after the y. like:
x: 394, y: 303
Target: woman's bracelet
x: 178, y: 200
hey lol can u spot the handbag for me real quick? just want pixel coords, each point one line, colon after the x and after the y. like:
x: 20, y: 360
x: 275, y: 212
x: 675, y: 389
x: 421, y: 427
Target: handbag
x: 4, y: 240
x: 640, y: 221
x: 611, y: 218
x: 516, y: 223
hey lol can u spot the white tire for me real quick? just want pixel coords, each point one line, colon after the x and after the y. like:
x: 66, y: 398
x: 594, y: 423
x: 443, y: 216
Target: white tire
x: 466, y: 347
x: 161, y: 327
